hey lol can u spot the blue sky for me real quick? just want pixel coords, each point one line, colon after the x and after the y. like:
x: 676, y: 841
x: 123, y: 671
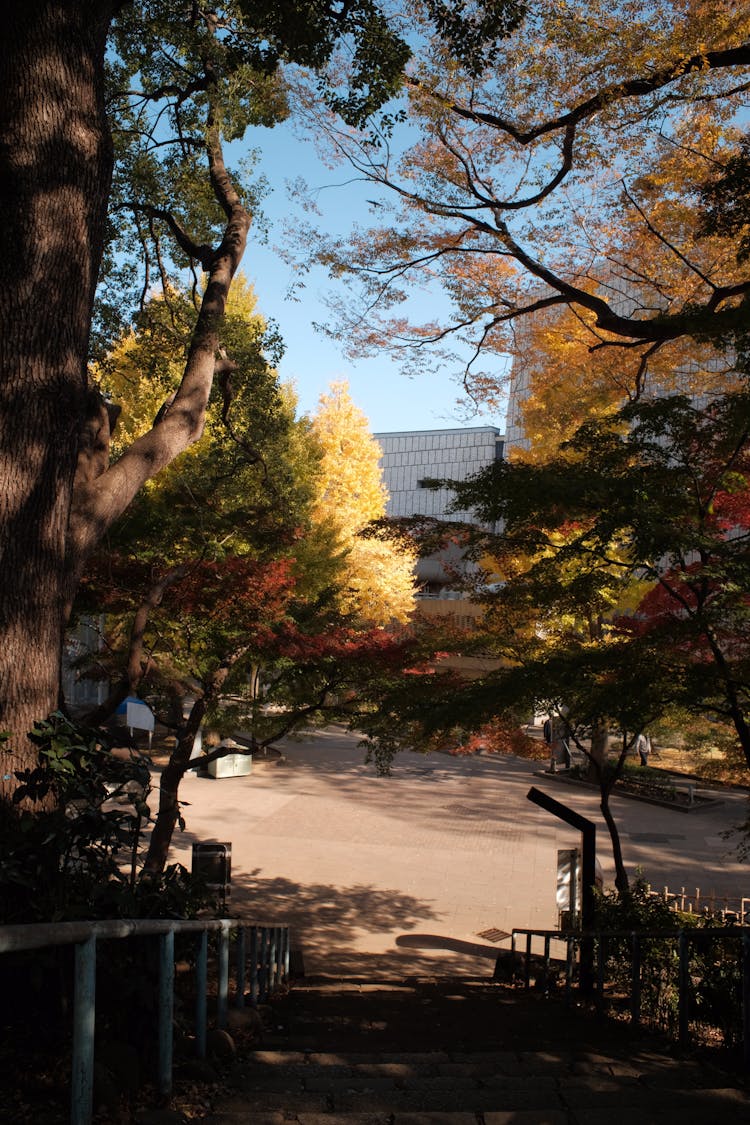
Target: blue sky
x: 390, y: 400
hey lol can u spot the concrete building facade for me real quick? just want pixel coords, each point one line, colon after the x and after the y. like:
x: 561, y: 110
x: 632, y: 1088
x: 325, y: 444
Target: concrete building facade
x: 413, y: 456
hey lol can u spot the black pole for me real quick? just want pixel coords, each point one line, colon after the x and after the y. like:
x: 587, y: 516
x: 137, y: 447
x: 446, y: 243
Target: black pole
x: 587, y: 828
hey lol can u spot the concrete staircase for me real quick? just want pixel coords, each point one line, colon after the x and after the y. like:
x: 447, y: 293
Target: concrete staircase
x: 461, y: 1052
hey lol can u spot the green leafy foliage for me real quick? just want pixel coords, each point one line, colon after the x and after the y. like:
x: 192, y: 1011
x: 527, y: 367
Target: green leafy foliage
x: 725, y: 199
x: 81, y: 860
x: 474, y: 30
x: 628, y: 550
x: 163, y: 69
x: 714, y: 969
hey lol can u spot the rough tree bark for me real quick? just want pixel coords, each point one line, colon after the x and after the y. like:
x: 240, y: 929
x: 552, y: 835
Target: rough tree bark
x: 58, y: 492
x: 55, y: 171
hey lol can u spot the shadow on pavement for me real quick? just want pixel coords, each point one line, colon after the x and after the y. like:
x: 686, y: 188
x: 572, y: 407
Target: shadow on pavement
x: 440, y: 941
x: 329, y: 923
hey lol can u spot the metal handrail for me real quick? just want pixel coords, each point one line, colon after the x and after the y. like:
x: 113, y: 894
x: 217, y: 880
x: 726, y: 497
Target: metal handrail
x: 634, y: 939
x: 268, y: 957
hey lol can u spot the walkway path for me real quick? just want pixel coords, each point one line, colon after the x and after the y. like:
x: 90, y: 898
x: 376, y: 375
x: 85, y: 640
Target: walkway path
x: 401, y: 875
x: 464, y: 1053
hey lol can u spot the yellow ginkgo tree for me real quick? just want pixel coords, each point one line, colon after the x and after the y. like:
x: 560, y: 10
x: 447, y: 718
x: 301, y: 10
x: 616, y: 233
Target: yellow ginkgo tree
x: 377, y: 584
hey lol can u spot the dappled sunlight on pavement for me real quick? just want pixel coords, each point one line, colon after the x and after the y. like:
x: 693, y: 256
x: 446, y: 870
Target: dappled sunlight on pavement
x: 366, y: 868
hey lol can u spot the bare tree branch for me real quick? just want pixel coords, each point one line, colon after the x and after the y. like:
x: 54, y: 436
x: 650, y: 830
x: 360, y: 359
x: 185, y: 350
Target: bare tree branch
x: 630, y: 88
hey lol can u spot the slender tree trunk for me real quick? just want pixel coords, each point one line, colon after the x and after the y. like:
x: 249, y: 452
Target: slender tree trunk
x: 599, y: 747
x: 736, y: 710
x: 55, y: 171
x: 169, y: 785
x: 58, y: 492
x: 175, y: 770
x: 621, y: 876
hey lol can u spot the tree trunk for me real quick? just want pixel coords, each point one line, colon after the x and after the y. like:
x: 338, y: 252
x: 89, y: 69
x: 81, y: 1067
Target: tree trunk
x: 58, y: 493
x: 599, y: 748
x: 169, y: 785
x: 177, y: 767
x: 621, y: 876
x: 55, y: 171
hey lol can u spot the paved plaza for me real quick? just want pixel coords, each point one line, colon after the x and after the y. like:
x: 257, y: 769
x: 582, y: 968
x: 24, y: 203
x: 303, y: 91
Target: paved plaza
x: 403, y: 874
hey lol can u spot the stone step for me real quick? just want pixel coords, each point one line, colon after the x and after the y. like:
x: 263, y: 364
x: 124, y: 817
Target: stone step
x: 572, y: 1087
x: 454, y: 1053
x: 533, y: 1117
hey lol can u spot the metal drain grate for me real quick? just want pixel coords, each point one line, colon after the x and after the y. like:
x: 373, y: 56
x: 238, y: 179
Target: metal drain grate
x: 493, y: 935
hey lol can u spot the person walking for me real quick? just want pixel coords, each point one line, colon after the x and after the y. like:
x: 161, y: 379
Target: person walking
x: 555, y: 733
x: 643, y: 748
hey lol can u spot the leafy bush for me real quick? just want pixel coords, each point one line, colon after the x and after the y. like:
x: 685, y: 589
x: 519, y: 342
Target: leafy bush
x: 76, y: 855
x: 504, y: 735
x: 714, y: 971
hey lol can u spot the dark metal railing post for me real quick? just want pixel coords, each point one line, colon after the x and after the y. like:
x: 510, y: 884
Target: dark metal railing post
x: 745, y: 954
x: 222, y: 996
x: 569, y: 963
x: 201, y: 993
x: 272, y: 958
x: 683, y: 988
x: 635, y: 979
x: 84, y: 1022
x: 263, y: 964
x: 601, y: 962
x: 166, y: 1013
x: 85, y: 934
x: 546, y: 964
x: 287, y: 951
x: 527, y: 965
x: 239, y: 999
x: 254, y: 966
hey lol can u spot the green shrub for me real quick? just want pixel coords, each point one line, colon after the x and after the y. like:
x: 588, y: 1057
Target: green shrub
x: 79, y: 857
x: 714, y: 1002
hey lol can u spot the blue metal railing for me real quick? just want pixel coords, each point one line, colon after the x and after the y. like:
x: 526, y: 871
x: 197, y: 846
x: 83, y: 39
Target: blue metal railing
x: 630, y: 946
x: 267, y: 959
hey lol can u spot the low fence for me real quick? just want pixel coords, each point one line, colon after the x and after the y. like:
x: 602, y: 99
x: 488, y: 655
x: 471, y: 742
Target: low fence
x: 697, y: 901
x: 261, y: 966
x: 679, y: 981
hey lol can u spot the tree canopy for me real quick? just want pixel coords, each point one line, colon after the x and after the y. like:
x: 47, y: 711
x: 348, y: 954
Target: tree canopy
x: 595, y: 164
x: 116, y: 145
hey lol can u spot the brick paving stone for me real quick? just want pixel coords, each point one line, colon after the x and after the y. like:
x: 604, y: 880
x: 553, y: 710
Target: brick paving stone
x: 240, y: 1117
x: 436, y: 1118
x: 532, y: 1117
x: 627, y: 1116
x: 600, y: 1084
x: 354, y: 1084
x: 513, y: 1082
x: 276, y: 1084
x: 399, y: 1070
x: 504, y: 1062
x: 469, y: 1101
x: 263, y: 1102
x: 426, y: 1058
x: 589, y: 1096
x: 468, y: 1069
x: 304, y: 1118
x: 280, y: 1058
x: 442, y: 1082
x: 538, y: 1062
x: 682, y: 1075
